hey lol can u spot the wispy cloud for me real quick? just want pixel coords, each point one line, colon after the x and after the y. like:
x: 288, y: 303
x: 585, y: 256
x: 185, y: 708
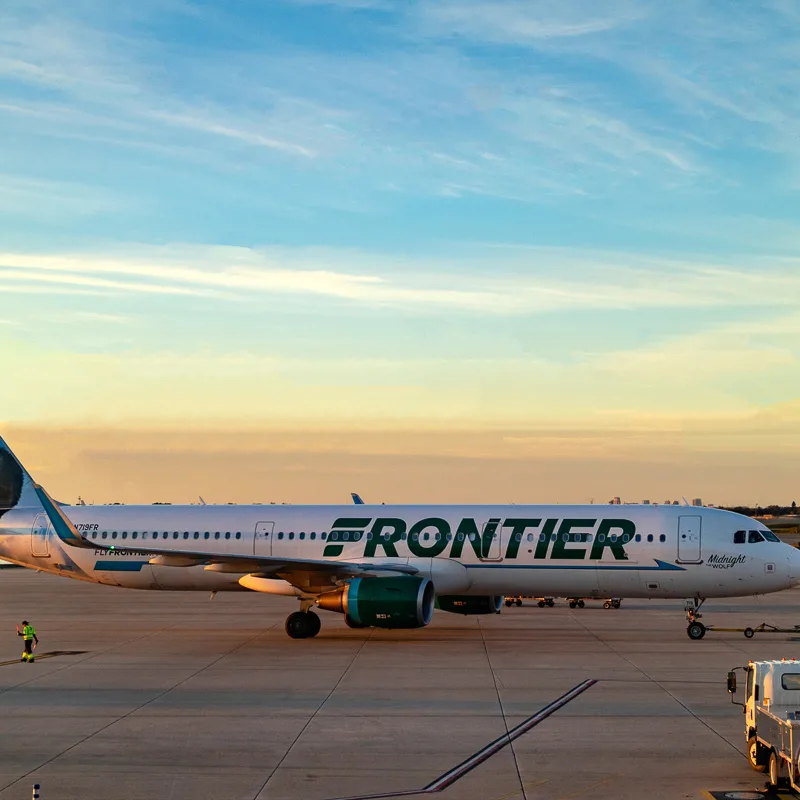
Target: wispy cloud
x: 511, y: 281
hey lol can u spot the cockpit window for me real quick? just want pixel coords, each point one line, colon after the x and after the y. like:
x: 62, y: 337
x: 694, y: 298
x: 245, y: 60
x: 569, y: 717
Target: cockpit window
x: 740, y: 537
x: 770, y: 536
x: 754, y: 536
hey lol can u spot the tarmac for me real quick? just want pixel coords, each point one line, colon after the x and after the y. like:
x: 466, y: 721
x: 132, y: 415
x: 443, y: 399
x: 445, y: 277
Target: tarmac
x: 173, y: 695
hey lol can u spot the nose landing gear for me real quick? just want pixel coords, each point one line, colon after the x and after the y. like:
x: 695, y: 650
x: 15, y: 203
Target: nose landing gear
x: 695, y: 629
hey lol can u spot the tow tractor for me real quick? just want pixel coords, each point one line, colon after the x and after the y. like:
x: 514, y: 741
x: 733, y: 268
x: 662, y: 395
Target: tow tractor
x: 772, y: 719
x: 580, y: 602
x: 540, y: 601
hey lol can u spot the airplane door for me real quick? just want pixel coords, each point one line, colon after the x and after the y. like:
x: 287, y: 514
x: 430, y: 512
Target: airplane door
x: 492, y: 546
x: 262, y: 541
x: 689, y: 539
x: 40, y: 547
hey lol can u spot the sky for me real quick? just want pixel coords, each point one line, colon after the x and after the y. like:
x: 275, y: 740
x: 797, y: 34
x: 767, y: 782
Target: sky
x: 429, y: 251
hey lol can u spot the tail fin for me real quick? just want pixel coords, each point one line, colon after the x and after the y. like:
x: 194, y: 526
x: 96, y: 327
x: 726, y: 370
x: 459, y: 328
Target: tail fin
x: 19, y: 490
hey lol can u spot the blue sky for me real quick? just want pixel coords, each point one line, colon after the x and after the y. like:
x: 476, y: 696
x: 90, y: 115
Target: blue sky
x: 437, y: 213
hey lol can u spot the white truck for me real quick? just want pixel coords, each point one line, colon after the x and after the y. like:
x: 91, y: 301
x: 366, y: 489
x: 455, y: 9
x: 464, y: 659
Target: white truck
x: 772, y: 718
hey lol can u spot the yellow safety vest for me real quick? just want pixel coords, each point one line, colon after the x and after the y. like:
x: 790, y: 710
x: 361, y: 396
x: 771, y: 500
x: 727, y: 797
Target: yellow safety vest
x: 28, y: 632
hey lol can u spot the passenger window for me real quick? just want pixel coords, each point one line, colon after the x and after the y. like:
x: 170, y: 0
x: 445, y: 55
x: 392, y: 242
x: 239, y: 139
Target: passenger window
x: 626, y: 538
x: 601, y: 537
x: 124, y: 534
x: 114, y: 535
x: 94, y: 535
x: 186, y: 534
x: 588, y: 537
x: 638, y: 537
x: 206, y: 535
x: 542, y: 537
x: 740, y: 537
x: 105, y: 535
x: 228, y: 535
x: 238, y: 534
x: 301, y: 535
x: 323, y: 535
x: 134, y: 535
x: 649, y: 537
x: 216, y: 535
x: 662, y: 538
x: 753, y: 537
x: 791, y: 681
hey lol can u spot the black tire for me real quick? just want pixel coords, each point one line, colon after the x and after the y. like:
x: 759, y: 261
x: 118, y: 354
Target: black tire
x: 581, y: 604
x: 749, y: 633
x: 508, y: 603
x: 314, y: 622
x: 757, y: 755
x: 696, y: 630
x: 774, y: 770
x: 606, y: 604
x: 551, y: 603
x: 298, y: 626
x: 351, y: 623
x: 572, y: 604
x: 541, y: 604
x: 518, y: 602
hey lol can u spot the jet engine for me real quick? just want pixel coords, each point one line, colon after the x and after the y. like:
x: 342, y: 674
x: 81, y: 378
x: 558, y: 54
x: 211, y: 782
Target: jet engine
x: 396, y: 602
x: 465, y: 604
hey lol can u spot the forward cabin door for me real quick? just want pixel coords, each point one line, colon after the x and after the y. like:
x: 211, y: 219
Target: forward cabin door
x: 262, y: 541
x: 491, y: 544
x: 40, y: 547
x: 689, y: 539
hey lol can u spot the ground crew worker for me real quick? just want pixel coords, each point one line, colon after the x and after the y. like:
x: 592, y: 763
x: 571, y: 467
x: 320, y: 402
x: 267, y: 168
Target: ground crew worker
x: 28, y: 633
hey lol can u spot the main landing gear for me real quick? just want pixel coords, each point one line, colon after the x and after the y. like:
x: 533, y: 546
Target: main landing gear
x: 695, y: 629
x: 302, y: 625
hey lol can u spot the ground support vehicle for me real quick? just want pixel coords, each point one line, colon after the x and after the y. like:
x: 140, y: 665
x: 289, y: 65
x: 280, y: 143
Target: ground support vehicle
x: 540, y: 601
x: 580, y: 602
x: 772, y: 719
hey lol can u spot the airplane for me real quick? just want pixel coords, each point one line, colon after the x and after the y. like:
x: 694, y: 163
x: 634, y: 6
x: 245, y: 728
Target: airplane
x: 390, y: 566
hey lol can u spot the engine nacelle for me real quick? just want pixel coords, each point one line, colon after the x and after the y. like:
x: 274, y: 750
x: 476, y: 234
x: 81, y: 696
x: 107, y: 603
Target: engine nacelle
x: 402, y: 602
x: 465, y: 604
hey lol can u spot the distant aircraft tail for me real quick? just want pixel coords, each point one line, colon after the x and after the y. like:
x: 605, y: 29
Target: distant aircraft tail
x: 19, y: 490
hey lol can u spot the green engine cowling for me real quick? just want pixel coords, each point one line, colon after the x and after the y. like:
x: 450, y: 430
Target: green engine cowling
x: 465, y: 604
x: 403, y: 602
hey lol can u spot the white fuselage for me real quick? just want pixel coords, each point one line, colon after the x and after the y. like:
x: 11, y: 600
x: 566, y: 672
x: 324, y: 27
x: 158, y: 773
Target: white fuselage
x: 623, y: 551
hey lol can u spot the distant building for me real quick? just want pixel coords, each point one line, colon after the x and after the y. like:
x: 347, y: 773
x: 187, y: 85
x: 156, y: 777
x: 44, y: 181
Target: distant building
x: 698, y: 502
x: 645, y: 502
x: 674, y: 502
x: 615, y: 501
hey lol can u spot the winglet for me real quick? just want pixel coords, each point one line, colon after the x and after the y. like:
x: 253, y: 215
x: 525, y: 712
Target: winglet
x: 357, y: 499
x: 19, y: 490
x: 64, y: 529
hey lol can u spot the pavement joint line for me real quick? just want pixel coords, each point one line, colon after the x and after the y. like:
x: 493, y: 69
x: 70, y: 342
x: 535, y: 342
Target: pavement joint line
x: 447, y: 779
x: 663, y: 689
x: 134, y: 710
x: 502, y: 709
x: 314, y: 715
x: 528, y: 785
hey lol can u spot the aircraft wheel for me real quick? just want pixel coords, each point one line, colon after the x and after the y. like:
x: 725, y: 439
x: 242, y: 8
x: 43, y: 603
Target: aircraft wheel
x: 541, y: 604
x: 774, y: 770
x: 749, y: 633
x: 351, y: 623
x: 302, y: 625
x: 581, y: 604
x: 696, y: 630
x: 756, y: 754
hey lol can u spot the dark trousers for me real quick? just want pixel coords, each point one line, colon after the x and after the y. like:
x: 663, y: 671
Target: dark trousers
x: 29, y: 649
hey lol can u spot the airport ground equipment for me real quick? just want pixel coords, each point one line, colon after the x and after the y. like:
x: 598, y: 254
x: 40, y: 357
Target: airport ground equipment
x: 772, y: 719
x: 765, y: 627
x: 540, y: 601
x: 580, y: 602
